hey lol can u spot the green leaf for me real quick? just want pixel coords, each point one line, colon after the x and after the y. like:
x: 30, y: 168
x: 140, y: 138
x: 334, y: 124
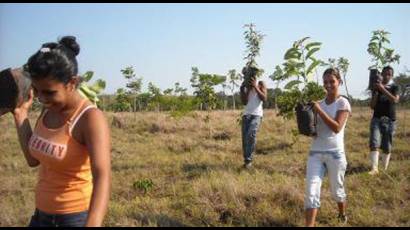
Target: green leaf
x: 98, y: 86
x: 87, y: 76
x: 373, y: 44
x: 312, y: 44
x: 291, y: 84
x: 374, y: 38
x: 312, y: 67
x: 311, y: 52
x: 291, y: 54
x: 303, y: 40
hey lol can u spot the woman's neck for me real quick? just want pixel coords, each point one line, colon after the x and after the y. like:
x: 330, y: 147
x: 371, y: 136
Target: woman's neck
x: 72, y: 104
x: 330, y: 98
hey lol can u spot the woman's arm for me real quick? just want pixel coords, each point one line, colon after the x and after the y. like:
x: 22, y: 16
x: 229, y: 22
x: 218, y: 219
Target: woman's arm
x: 24, y: 130
x: 334, y: 124
x: 97, y: 139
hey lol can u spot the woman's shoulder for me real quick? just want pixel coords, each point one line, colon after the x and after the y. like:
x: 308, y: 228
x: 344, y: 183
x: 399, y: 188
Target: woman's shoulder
x: 90, y: 114
x: 343, y: 99
x: 343, y: 103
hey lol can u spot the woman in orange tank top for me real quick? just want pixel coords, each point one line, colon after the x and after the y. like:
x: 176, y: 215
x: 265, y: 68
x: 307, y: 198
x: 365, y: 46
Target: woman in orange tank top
x: 70, y: 142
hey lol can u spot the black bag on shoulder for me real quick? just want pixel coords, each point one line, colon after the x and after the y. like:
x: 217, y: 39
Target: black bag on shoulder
x: 306, y: 119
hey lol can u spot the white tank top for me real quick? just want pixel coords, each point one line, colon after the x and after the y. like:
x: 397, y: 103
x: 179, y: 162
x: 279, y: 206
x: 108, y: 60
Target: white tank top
x: 254, y: 106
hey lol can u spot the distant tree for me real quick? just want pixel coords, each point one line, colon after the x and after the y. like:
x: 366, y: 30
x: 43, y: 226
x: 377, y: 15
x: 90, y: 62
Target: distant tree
x: 204, y: 87
x: 155, y: 96
x: 342, y: 64
x: 122, y: 101
x: 134, y: 85
x: 234, y: 80
x: 403, y: 81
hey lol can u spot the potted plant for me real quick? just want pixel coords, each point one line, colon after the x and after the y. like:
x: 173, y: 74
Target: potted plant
x: 300, y: 89
x: 381, y: 55
x: 253, y: 40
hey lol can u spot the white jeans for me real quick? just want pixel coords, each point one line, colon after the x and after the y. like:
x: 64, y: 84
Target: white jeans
x: 320, y: 162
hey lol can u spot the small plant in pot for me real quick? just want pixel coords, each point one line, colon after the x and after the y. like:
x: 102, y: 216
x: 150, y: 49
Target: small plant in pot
x: 253, y: 40
x: 381, y: 55
x: 300, y: 89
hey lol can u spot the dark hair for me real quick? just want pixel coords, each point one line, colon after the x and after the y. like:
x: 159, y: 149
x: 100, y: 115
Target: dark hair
x: 335, y: 72
x: 56, y: 60
x: 388, y: 68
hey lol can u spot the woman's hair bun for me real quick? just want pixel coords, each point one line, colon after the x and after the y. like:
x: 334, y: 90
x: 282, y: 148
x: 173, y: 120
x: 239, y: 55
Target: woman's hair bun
x: 70, y: 43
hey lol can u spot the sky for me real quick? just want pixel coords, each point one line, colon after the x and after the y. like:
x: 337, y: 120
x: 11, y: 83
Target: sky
x: 163, y: 41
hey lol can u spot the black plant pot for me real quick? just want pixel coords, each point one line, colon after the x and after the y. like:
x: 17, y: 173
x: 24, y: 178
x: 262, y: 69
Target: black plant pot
x: 305, y: 119
x: 14, y: 89
x: 374, y: 77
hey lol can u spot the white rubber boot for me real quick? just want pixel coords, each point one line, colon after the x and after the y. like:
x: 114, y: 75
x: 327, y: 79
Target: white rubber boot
x: 374, y: 158
x: 385, y: 160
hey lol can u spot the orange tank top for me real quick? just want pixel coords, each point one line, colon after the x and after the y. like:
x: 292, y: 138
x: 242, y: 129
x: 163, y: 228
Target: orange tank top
x: 65, y: 179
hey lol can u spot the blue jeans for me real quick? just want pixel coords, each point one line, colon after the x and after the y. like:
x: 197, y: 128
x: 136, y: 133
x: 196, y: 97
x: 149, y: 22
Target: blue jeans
x: 42, y: 219
x: 320, y: 162
x: 250, y: 126
x: 381, y: 133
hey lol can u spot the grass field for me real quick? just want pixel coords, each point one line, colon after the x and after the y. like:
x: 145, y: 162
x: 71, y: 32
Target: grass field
x: 186, y: 172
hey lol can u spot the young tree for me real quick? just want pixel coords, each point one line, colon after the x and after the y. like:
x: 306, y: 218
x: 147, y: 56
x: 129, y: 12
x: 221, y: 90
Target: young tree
x: 234, y: 80
x: 122, y: 101
x: 300, y: 64
x: 134, y: 85
x: 156, y: 96
x: 403, y: 81
x: 277, y: 74
x: 381, y: 54
x: 204, y: 87
x: 342, y: 64
x: 253, y: 40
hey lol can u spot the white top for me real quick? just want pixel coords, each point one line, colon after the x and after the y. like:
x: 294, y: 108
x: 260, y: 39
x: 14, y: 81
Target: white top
x: 254, y: 105
x: 326, y: 139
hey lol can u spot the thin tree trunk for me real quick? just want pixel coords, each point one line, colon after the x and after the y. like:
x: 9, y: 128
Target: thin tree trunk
x: 347, y: 91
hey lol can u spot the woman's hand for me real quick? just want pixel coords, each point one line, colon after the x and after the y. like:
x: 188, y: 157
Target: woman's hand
x: 22, y: 110
x: 315, y: 106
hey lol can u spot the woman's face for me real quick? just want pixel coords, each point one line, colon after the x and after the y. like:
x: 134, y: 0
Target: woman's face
x: 331, y: 83
x: 52, y: 93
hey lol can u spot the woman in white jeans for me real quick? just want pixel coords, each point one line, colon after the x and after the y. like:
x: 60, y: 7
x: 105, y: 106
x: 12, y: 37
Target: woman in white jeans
x: 327, y: 152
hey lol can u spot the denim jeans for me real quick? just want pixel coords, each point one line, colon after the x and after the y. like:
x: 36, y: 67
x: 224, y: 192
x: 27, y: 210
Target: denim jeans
x: 320, y: 162
x: 42, y: 219
x: 381, y: 133
x: 250, y: 126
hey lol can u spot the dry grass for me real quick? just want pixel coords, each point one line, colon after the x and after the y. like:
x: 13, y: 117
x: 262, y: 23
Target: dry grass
x: 198, y: 180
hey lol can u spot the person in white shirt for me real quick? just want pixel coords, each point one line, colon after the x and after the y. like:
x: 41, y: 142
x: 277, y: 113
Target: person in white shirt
x: 327, y: 151
x: 252, y: 95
